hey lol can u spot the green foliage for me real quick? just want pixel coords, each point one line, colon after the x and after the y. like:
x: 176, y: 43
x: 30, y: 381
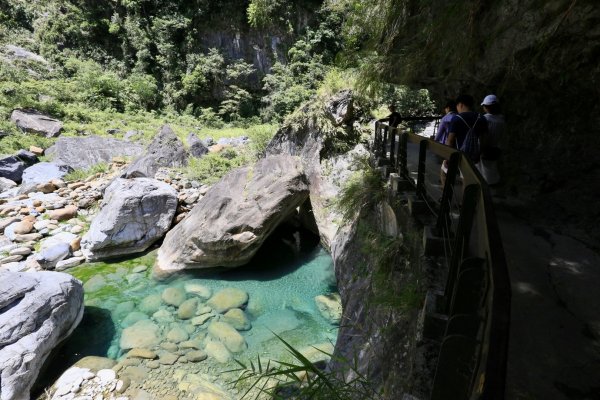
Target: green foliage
x: 213, y: 166
x: 364, y: 191
x: 302, y: 379
x: 260, y: 136
x: 16, y: 140
x: 80, y: 174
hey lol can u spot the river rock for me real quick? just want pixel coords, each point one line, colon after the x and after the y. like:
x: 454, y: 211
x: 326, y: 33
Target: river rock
x: 330, y: 307
x: 142, y: 353
x: 135, y: 214
x: 197, y: 288
x: 143, y: 334
x: 197, y: 148
x: 59, y: 238
x: 238, y: 319
x: 49, y: 257
x: 24, y: 226
x: 166, y: 150
x: 196, y: 356
x: 201, y: 319
x: 150, y: 304
x: 63, y: 214
x: 6, y: 184
x: 95, y: 363
x: 132, y: 318
x: 187, y: 309
x: 228, y: 298
x: 42, y: 173
x: 38, y: 310
x: 227, y: 335
x: 230, y: 223
x: 177, y: 334
x: 85, y: 152
x: 69, y: 263
x: 94, y: 284
x: 32, y: 121
x: 173, y: 296
x: 218, y: 351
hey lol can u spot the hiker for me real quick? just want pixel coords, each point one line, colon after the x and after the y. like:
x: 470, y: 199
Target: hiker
x: 394, y: 118
x: 449, y: 111
x: 490, y: 142
x: 466, y: 129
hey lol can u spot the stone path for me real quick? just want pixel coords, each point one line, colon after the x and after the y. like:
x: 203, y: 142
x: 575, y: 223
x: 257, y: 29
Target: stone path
x: 554, y: 348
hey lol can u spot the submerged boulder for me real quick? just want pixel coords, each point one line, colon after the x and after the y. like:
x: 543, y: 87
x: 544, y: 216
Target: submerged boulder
x: 230, y: 223
x: 135, y: 213
x: 166, y: 150
x: 85, y: 152
x: 38, y: 310
x: 32, y: 121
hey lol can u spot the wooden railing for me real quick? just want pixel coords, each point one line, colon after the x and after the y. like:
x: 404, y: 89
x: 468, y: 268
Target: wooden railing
x: 472, y: 311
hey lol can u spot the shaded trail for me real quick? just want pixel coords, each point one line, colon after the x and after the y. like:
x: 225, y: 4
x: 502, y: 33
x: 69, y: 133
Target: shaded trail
x: 554, y: 348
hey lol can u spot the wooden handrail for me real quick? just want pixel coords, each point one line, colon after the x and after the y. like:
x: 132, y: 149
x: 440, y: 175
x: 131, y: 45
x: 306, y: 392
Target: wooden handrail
x: 477, y: 236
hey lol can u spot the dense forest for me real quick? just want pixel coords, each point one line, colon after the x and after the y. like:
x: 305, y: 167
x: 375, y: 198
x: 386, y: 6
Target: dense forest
x: 245, y: 63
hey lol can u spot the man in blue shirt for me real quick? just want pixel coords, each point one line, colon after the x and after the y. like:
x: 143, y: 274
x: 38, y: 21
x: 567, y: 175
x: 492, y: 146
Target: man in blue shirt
x: 443, y: 129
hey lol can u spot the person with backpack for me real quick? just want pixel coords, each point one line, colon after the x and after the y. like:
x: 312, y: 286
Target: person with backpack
x: 466, y: 129
x: 490, y: 144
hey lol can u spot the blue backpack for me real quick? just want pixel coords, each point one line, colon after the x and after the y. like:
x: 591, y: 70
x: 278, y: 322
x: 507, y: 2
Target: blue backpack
x: 470, y: 146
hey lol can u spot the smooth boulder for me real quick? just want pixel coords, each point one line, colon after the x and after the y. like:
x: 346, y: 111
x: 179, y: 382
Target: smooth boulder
x: 166, y: 150
x: 85, y: 152
x: 230, y: 223
x: 135, y: 213
x: 38, y: 310
x: 41, y: 173
x: 32, y: 121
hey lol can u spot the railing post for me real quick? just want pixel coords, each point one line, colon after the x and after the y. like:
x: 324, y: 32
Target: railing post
x: 421, y: 191
x: 393, y: 148
x: 461, y: 241
x: 402, y: 154
x: 444, y: 215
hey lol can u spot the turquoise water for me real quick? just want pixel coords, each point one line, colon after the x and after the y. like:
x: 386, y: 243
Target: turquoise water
x: 281, y: 281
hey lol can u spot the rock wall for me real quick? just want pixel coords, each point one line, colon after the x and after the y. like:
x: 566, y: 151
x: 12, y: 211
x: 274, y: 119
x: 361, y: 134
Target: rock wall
x: 365, y: 337
x: 542, y: 59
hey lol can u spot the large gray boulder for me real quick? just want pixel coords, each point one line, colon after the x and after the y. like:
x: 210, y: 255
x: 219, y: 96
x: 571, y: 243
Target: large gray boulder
x: 42, y: 173
x: 236, y: 215
x: 197, y: 148
x: 32, y: 121
x: 12, y: 168
x: 38, y: 310
x: 135, y: 213
x: 85, y: 152
x: 166, y: 150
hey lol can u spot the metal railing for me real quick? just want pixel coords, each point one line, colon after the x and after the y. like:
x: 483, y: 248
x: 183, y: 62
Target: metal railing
x: 475, y: 302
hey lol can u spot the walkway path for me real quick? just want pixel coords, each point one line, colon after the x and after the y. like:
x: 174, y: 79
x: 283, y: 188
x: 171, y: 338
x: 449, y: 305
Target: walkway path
x: 554, y: 349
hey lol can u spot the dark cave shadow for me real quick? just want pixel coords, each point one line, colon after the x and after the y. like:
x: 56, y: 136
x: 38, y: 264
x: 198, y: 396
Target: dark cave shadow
x: 92, y: 337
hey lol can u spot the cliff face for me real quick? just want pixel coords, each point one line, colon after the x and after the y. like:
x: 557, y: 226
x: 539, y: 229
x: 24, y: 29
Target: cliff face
x: 543, y: 59
x: 374, y: 334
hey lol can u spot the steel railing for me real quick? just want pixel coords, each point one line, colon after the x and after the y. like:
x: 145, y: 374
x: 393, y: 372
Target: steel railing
x: 475, y: 302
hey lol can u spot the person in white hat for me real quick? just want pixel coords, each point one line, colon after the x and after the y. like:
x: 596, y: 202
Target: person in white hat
x: 490, y: 143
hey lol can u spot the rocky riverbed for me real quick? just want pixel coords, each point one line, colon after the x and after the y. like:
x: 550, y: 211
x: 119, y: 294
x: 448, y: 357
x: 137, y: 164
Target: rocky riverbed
x: 149, y: 338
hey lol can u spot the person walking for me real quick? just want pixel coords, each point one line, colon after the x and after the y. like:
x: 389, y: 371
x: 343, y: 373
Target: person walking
x: 490, y: 142
x: 444, y: 128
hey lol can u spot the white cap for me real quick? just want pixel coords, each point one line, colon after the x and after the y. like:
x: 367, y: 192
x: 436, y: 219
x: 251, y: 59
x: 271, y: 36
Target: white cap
x: 489, y: 100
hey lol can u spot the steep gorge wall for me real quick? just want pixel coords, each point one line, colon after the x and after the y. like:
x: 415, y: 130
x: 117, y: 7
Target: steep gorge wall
x: 543, y: 59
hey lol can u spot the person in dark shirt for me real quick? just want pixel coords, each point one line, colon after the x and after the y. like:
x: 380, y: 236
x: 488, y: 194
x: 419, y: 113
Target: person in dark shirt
x: 394, y: 118
x: 466, y: 119
x: 460, y: 124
